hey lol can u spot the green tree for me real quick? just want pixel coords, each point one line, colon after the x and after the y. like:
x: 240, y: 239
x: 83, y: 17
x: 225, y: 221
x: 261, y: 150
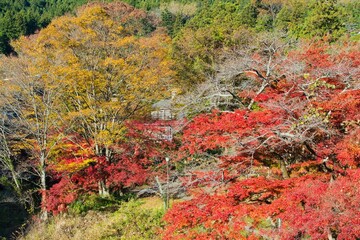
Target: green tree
x: 352, y: 16
x: 325, y: 18
x: 24, y: 17
x: 292, y: 16
x: 248, y: 15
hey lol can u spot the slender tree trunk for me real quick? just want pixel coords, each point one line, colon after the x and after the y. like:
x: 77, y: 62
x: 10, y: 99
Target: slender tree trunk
x: 104, y: 191
x: 6, y: 157
x: 16, y: 180
x: 44, y: 213
x: 107, y: 154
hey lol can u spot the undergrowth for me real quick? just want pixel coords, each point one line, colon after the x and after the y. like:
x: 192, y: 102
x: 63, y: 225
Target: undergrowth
x: 132, y: 220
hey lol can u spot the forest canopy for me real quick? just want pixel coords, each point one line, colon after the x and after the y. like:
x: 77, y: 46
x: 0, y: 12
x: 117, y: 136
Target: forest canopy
x: 298, y: 18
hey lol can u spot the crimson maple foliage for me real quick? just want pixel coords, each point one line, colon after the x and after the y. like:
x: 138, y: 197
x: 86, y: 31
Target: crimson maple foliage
x: 267, y: 208
x: 78, y: 169
x: 291, y: 161
x: 60, y: 195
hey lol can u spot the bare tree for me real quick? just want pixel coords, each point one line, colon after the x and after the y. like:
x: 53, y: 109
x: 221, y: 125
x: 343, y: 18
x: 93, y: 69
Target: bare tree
x: 255, y: 65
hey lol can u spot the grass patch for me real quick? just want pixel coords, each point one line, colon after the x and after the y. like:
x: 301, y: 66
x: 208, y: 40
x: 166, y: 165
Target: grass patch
x: 135, y: 219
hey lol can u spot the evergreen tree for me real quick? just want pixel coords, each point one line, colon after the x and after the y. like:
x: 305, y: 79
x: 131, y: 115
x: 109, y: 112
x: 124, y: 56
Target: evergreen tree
x: 249, y: 15
x: 324, y: 19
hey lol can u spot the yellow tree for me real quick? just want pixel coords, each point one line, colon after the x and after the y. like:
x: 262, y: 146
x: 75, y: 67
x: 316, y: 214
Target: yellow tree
x: 113, y: 64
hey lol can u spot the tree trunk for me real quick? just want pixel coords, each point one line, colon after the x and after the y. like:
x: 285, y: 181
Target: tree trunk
x: 44, y: 213
x: 284, y: 171
x: 103, y: 189
x: 16, y: 180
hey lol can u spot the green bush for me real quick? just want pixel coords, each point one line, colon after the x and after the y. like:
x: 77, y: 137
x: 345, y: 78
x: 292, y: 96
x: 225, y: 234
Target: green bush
x: 92, y: 202
x: 136, y: 222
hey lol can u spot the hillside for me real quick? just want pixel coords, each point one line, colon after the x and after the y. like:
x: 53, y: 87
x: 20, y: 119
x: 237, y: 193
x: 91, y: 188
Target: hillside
x: 182, y: 119
x: 25, y: 17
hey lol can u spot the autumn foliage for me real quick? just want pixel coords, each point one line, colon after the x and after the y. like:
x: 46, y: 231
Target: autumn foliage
x: 78, y: 169
x: 77, y: 86
x: 291, y: 164
x: 267, y: 208
x: 266, y: 140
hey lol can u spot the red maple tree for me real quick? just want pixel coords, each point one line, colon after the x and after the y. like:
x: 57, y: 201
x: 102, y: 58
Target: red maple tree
x: 291, y: 161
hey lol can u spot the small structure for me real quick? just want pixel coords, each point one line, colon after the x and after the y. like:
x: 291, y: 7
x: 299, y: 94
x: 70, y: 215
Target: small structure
x: 162, y: 110
x: 165, y: 122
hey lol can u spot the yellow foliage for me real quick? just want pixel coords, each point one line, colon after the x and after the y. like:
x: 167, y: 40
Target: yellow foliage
x: 106, y: 74
x: 73, y: 166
